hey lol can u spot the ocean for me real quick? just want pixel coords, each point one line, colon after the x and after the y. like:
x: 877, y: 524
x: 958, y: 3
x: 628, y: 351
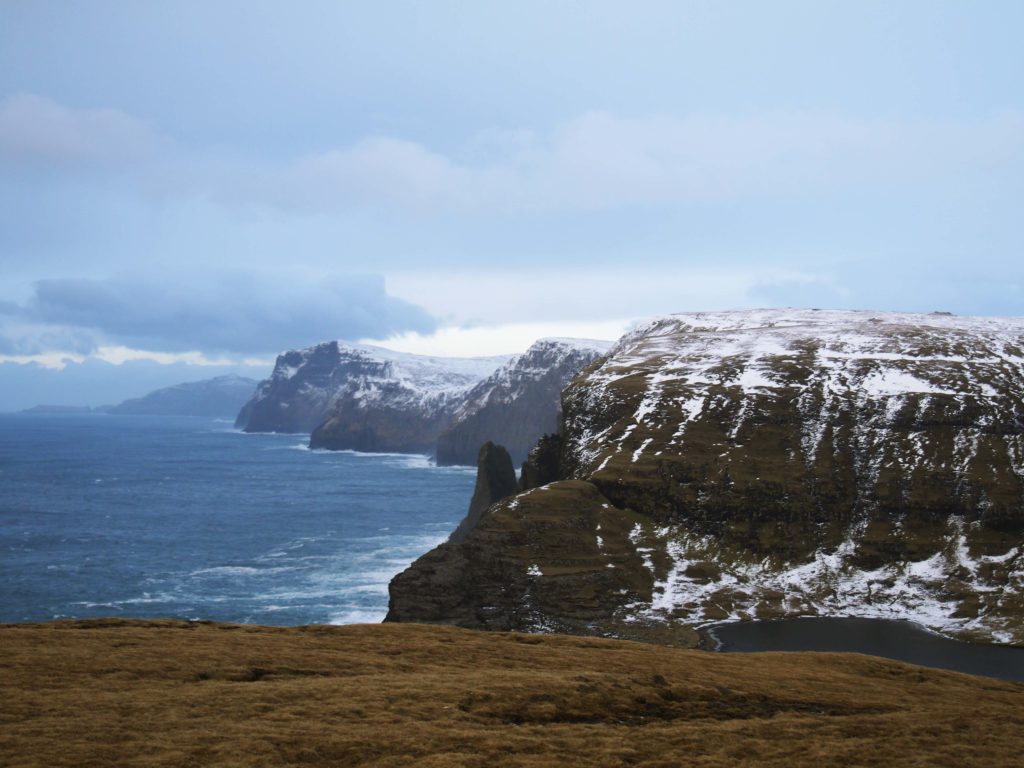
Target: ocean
x: 135, y: 516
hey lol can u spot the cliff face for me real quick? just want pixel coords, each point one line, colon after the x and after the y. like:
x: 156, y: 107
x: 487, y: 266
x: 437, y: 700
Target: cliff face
x: 397, y: 402
x: 765, y: 464
x: 296, y: 396
x: 517, y: 403
x: 363, y: 398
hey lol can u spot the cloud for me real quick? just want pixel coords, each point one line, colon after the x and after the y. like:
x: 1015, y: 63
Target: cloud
x: 506, y: 338
x: 898, y: 287
x: 594, y: 161
x: 601, y: 161
x: 36, y: 132
x: 226, y: 313
x: 582, y: 296
x: 22, y: 339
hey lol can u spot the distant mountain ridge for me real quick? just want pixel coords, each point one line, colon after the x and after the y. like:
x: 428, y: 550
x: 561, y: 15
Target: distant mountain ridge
x: 219, y: 396
x: 354, y: 397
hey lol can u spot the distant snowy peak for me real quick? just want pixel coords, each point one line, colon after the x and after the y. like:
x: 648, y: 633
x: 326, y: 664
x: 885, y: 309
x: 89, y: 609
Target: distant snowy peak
x: 446, y: 371
x: 600, y: 346
x: 305, y: 383
x: 558, y: 356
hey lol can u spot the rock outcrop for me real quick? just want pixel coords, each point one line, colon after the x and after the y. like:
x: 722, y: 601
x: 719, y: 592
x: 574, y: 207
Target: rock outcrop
x: 495, y: 480
x: 519, y: 402
x: 762, y: 464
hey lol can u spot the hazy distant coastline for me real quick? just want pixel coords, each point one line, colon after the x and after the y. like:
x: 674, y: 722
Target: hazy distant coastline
x: 221, y: 396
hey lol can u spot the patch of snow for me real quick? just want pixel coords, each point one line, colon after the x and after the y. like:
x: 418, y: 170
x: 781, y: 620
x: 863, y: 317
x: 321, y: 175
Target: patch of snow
x: 643, y: 446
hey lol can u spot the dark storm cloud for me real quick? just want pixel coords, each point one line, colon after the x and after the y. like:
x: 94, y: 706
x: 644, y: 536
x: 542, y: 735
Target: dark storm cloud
x: 228, y: 313
x: 20, y: 340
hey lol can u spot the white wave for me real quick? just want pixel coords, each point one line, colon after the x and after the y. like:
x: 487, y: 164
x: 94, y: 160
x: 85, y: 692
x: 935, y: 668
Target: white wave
x: 381, y: 455
x: 357, y: 616
x: 86, y: 604
x: 144, y: 600
x: 410, y: 461
x: 238, y: 570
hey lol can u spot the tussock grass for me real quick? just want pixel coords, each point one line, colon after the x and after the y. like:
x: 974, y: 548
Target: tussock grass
x: 167, y: 693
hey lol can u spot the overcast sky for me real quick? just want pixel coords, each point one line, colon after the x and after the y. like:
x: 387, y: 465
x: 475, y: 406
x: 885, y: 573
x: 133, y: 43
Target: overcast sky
x: 210, y: 183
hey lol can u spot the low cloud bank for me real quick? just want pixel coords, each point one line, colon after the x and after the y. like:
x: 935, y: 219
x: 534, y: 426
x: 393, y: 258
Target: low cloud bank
x: 226, y: 314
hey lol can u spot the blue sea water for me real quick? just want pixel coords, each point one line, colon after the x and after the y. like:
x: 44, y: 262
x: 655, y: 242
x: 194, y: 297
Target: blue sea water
x: 181, y: 517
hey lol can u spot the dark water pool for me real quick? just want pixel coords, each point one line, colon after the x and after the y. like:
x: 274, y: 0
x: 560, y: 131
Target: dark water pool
x: 899, y: 640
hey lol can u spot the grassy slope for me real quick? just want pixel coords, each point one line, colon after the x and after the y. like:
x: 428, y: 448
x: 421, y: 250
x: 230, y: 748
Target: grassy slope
x: 134, y: 693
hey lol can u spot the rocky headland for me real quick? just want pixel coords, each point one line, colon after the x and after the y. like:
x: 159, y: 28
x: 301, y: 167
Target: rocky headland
x: 761, y: 464
x: 376, y: 400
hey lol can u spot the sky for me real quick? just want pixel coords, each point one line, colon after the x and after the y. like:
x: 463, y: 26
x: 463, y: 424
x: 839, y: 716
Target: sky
x: 189, y: 188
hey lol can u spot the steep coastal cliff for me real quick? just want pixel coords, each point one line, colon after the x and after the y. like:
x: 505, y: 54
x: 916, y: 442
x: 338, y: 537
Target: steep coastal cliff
x: 360, y: 396
x: 763, y: 464
x: 517, y: 403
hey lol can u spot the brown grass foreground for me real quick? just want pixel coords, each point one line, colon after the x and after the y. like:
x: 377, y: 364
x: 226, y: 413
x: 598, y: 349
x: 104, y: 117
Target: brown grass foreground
x: 147, y: 693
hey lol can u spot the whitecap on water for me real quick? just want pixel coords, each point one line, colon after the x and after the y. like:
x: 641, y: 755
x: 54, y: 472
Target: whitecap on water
x: 357, y: 616
x: 237, y: 570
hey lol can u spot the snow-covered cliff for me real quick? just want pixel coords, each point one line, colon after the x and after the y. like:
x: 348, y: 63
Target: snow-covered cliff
x: 769, y: 463
x: 307, y: 385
